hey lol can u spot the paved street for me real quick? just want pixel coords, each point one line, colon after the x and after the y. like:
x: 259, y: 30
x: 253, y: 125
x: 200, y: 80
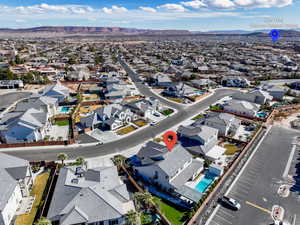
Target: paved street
x: 126, y: 142
x: 184, y: 112
x: 10, y: 98
x: 256, y: 188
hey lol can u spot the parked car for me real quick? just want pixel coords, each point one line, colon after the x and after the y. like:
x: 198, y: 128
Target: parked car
x: 230, y: 202
x: 100, y: 143
x: 156, y: 114
x: 153, y: 123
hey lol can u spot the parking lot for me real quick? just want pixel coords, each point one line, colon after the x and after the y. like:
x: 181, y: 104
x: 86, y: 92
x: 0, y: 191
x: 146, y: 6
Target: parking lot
x: 257, y: 186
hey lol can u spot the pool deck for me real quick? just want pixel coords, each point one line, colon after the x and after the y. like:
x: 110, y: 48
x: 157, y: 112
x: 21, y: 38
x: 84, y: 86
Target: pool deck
x: 192, y: 184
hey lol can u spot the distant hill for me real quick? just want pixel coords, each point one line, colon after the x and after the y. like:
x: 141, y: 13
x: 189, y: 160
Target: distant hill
x: 92, y: 30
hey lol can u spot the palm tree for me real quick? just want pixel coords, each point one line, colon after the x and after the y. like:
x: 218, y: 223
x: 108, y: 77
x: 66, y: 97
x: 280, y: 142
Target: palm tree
x: 62, y: 156
x: 119, y: 160
x: 81, y: 161
x: 43, y: 221
x: 143, y: 199
x: 132, y: 218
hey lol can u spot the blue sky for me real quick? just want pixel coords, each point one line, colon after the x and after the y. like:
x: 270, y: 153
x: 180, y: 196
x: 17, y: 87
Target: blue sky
x: 196, y: 15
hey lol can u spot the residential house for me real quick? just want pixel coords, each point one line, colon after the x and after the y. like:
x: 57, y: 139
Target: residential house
x: 242, y: 108
x: 15, y: 184
x: 29, y: 121
x: 275, y: 91
x: 169, y: 170
x: 203, y: 83
x: 235, y: 81
x: 201, y: 140
x: 57, y: 91
x: 162, y: 79
x: 225, y: 123
x: 180, y: 90
x: 144, y: 107
x: 89, y: 196
x: 254, y: 96
x: 109, y: 117
x: 11, y: 84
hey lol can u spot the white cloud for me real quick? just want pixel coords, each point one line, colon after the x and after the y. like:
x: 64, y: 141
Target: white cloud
x: 172, y: 7
x: 113, y: 9
x: 262, y: 3
x: 20, y: 21
x: 221, y: 4
x: 147, y: 9
x: 196, y: 4
x: 45, y: 8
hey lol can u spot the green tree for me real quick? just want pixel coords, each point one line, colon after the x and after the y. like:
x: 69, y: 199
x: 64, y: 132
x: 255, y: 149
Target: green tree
x: 18, y: 60
x: 72, y: 60
x: 81, y: 161
x: 6, y: 74
x: 132, y: 218
x: 118, y: 160
x: 43, y: 221
x: 98, y: 59
x: 62, y: 156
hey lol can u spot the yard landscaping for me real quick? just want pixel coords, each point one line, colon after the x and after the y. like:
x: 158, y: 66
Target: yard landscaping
x: 37, y: 191
x: 178, y: 100
x: 140, y: 123
x: 173, y: 215
x: 230, y: 149
x: 62, y: 123
x: 126, y: 130
x: 167, y: 112
x: 198, y: 117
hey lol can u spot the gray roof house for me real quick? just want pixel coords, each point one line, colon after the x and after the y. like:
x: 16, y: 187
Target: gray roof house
x: 225, y: 123
x: 15, y: 183
x: 57, y: 91
x: 108, y: 117
x: 254, y: 96
x: 198, y: 140
x: 275, y: 91
x: 144, y: 107
x: 235, y: 81
x: 202, y: 83
x: 89, y: 196
x: 180, y: 90
x: 162, y: 79
x: 169, y: 169
x: 23, y: 126
x: 242, y: 108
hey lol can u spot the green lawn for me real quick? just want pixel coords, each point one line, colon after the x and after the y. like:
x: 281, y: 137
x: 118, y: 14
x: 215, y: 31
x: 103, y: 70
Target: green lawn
x: 62, y: 123
x: 198, y: 117
x: 167, y: 112
x: 172, y: 214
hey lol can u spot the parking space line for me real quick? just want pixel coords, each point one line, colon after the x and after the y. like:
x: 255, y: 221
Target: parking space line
x: 259, y: 207
x: 226, y: 213
x: 227, y: 221
x: 214, y: 222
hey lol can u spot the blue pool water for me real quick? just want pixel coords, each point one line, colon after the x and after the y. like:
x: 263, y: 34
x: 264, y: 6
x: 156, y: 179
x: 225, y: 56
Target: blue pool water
x: 205, y: 182
x: 65, y: 109
x: 261, y: 114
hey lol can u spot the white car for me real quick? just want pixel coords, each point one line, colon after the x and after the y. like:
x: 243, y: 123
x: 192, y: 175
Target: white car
x: 153, y: 123
x: 232, y: 203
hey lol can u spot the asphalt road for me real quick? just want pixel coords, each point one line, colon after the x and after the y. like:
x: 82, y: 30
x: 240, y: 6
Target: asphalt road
x: 10, y: 98
x: 126, y: 142
x: 145, y: 90
x: 256, y: 189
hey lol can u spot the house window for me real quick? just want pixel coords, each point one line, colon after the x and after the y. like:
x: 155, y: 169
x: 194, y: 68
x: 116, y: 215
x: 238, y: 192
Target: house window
x: 113, y: 222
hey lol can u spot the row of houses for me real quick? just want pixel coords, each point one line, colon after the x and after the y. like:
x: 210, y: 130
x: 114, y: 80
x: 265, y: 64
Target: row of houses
x: 81, y: 195
x: 29, y: 121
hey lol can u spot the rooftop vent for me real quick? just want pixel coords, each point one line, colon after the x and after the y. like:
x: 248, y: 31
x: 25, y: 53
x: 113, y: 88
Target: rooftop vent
x: 75, y: 181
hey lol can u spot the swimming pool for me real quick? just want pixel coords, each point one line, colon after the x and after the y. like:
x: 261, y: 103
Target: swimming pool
x: 261, y: 114
x: 65, y: 109
x: 205, y: 182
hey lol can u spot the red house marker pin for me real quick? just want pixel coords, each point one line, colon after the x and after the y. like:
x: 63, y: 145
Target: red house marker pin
x: 170, y: 139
